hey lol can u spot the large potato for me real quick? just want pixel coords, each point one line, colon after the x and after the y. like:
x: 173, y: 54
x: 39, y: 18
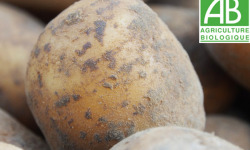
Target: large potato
x: 43, y: 5
x: 231, y: 129
x: 235, y: 59
x: 173, y: 138
x: 103, y: 70
x: 217, y: 95
x: 12, y: 132
x: 18, y: 36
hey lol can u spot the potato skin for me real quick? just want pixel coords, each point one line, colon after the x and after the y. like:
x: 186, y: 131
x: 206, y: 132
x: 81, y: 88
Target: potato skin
x: 173, y: 138
x: 5, y: 146
x: 44, y: 5
x: 103, y: 70
x: 229, y: 128
x: 19, y: 33
x: 12, y: 132
x: 180, y: 3
x: 217, y: 95
x: 234, y: 58
x: 187, y: 34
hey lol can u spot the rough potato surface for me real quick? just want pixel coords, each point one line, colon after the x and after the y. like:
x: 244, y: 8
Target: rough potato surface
x: 18, y: 36
x: 103, y: 70
x: 173, y: 138
x: 230, y: 129
x: 217, y: 95
x: 12, y: 132
x: 185, y: 28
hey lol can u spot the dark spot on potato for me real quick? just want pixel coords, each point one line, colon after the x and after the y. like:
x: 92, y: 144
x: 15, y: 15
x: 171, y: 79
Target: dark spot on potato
x: 47, y: 47
x: 102, y: 119
x: 62, y: 57
x: 63, y: 101
x: 84, y: 49
x: 91, y: 64
x: 111, y: 5
x: 125, y: 103
x: 73, y: 18
x: 88, y: 114
x: 100, y: 27
x: 87, y: 46
x: 126, y: 68
x: 142, y: 74
x: 83, y: 135
x: 131, y: 129
x: 109, y: 56
x: 139, y: 109
x: 76, y: 97
x: 107, y: 85
x: 66, y: 143
x: 70, y: 121
x: 114, y: 134
x: 79, y: 52
x: 88, y: 31
x: 97, y: 138
x: 37, y: 52
x: 94, y: 91
x: 116, y: 85
x: 113, y: 77
x: 39, y: 77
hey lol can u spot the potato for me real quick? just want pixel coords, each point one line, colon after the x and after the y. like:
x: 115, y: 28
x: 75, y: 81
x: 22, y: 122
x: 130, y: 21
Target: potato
x: 103, y: 70
x: 19, y: 33
x: 217, y: 95
x: 234, y: 58
x: 43, y: 5
x: 181, y: 3
x: 12, y: 132
x: 173, y: 138
x: 5, y: 146
x: 231, y: 129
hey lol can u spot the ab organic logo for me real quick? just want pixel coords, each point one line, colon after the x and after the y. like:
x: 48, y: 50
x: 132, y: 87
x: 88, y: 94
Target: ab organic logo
x: 224, y: 21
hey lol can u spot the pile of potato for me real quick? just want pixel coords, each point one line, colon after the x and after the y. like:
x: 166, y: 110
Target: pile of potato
x: 119, y: 75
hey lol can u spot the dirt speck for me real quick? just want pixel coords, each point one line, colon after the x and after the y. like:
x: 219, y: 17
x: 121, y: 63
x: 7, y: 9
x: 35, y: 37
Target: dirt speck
x: 109, y: 56
x: 47, y: 47
x: 125, y: 103
x: 91, y: 64
x: 102, y: 119
x: 142, y: 74
x: 108, y: 85
x: 37, y: 52
x: 88, y: 114
x: 113, y: 77
x: 126, y: 68
x: 83, y: 135
x: 39, y: 77
x: 139, y: 110
x: 76, y: 97
x: 114, y: 134
x: 97, y: 138
x: 70, y: 121
x: 73, y: 18
x: 63, y: 101
x: 100, y: 27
